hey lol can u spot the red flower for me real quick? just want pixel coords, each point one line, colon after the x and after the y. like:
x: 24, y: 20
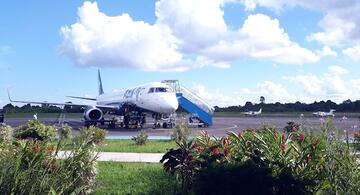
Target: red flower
x: 283, y: 147
x: 283, y: 137
x: 239, y: 134
x: 301, y: 137
x: 275, y: 135
x: 216, y: 151
x: 200, y: 149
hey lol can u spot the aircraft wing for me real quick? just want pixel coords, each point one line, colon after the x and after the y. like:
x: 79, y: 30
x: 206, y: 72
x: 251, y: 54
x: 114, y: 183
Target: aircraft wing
x: 105, y: 107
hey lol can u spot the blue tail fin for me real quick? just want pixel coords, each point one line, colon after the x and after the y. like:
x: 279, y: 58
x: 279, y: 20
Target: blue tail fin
x: 101, y: 91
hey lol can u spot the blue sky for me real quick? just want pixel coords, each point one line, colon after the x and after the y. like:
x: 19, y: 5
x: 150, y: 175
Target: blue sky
x: 227, y: 51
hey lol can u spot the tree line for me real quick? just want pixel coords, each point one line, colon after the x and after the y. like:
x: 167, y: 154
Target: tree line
x: 345, y: 106
x: 44, y: 108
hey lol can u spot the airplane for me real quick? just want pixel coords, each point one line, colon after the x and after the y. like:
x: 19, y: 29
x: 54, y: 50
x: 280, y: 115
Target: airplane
x: 324, y: 114
x: 131, y: 104
x: 253, y: 113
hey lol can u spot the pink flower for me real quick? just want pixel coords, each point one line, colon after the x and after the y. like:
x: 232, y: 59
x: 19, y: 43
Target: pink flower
x: 200, y: 149
x: 239, y: 134
x: 301, y: 137
x: 206, y: 134
x: 283, y: 147
x: 216, y: 151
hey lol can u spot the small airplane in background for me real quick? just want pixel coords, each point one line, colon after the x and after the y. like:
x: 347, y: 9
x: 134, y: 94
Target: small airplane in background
x: 324, y: 114
x: 253, y: 113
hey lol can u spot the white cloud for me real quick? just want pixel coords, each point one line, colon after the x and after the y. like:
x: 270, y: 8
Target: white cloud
x: 340, y: 24
x: 216, y: 98
x: 332, y: 85
x: 273, y: 92
x: 326, y: 51
x: 186, y: 34
x: 337, y: 70
x: 353, y: 52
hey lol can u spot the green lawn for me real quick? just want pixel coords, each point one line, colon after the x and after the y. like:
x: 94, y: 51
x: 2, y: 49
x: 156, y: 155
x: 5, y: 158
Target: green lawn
x: 133, y: 178
x: 126, y: 145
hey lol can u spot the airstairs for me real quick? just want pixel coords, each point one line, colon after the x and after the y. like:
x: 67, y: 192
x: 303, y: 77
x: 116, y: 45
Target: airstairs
x: 191, y: 102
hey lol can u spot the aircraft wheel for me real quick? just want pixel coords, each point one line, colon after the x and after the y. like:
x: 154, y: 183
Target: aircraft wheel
x: 164, y: 125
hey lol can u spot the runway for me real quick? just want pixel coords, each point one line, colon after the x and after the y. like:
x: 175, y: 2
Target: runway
x: 220, y: 124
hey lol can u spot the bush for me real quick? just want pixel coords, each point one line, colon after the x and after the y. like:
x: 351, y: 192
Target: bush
x: 30, y: 166
x: 141, y: 138
x: 36, y: 130
x: 65, y: 132
x: 298, y: 163
x: 5, y: 134
x: 181, y: 133
x: 97, y: 135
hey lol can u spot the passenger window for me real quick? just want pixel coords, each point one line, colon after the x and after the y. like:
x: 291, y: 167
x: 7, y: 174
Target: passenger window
x: 151, y: 90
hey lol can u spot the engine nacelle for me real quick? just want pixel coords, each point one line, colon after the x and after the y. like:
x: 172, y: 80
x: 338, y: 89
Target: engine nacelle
x: 93, y: 114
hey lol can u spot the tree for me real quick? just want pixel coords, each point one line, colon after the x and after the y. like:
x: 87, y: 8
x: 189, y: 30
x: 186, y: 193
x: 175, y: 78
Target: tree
x: 262, y: 99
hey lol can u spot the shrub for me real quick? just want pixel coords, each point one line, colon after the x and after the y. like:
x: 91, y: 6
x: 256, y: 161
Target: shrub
x: 5, y: 134
x: 181, y: 133
x: 141, y: 138
x: 298, y: 163
x: 97, y: 135
x: 36, y: 130
x: 292, y: 127
x: 65, y: 131
x: 30, y: 166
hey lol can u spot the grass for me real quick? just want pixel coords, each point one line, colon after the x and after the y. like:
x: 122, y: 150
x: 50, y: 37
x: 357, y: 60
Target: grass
x: 126, y: 145
x: 133, y: 178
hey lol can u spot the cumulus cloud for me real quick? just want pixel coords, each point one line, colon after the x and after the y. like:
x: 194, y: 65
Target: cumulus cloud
x: 326, y: 51
x: 340, y: 24
x: 353, y: 52
x: 186, y: 34
x: 332, y: 85
x: 216, y: 97
x: 337, y: 70
x: 273, y: 92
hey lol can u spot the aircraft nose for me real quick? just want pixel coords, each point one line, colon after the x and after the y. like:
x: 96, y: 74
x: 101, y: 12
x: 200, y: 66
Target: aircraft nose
x: 172, y: 103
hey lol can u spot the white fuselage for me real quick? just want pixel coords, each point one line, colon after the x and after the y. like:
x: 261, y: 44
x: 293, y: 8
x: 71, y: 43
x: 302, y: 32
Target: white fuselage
x: 323, y: 114
x: 155, y: 97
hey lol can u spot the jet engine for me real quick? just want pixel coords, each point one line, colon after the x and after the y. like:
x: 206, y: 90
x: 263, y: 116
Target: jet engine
x: 93, y: 114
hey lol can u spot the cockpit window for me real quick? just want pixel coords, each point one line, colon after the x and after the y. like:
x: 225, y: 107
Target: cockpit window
x: 151, y: 90
x: 160, y: 90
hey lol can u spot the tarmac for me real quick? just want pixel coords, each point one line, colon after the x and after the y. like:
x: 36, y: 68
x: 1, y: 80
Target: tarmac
x: 221, y: 125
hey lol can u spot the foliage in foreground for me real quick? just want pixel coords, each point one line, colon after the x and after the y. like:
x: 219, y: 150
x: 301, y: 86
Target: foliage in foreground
x: 266, y: 161
x: 31, y: 165
x: 181, y: 132
x: 141, y: 138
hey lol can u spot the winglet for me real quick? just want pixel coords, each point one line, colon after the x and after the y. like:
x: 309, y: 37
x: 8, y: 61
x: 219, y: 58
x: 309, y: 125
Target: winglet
x: 101, y: 91
x: 9, y: 95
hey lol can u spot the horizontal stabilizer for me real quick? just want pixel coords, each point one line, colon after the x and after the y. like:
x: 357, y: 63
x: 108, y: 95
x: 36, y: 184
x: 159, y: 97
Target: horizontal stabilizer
x: 83, y: 98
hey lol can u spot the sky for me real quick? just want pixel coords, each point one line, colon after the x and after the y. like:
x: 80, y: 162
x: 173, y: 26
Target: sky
x: 226, y: 51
